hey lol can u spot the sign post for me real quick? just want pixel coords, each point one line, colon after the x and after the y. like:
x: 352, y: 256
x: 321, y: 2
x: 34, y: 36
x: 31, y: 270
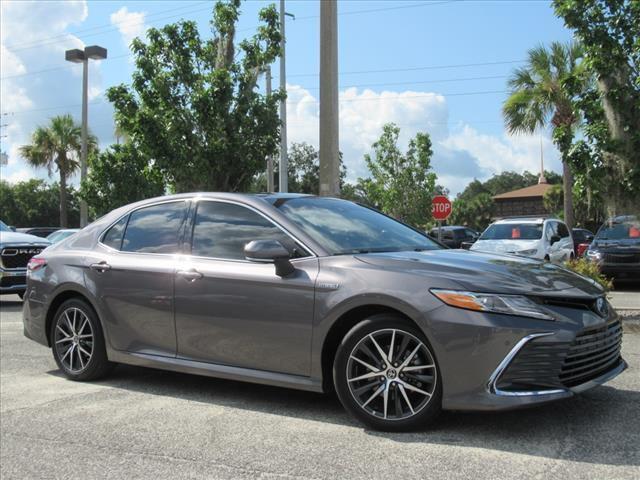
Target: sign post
x: 440, y: 210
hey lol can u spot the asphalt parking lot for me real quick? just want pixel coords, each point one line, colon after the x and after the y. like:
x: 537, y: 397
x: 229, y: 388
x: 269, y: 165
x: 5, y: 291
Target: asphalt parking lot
x: 142, y: 423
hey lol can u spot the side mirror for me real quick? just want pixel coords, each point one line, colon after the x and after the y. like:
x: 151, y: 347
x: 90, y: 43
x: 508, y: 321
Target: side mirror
x: 270, y: 251
x: 554, y: 239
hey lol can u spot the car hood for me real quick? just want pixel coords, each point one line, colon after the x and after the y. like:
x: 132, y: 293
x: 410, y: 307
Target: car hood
x: 22, y: 238
x: 504, y: 246
x: 482, y: 272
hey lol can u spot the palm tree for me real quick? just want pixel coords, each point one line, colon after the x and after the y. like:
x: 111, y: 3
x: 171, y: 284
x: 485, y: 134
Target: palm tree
x: 57, y: 146
x: 541, y: 93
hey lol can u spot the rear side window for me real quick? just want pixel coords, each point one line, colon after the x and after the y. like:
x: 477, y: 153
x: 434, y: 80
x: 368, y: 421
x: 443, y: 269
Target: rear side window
x: 222, y: 230
x: 155, y: 229
x: 113, y: 237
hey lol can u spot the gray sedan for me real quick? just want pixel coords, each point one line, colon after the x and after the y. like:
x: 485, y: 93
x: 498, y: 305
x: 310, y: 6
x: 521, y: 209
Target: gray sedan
x: 318, y: 294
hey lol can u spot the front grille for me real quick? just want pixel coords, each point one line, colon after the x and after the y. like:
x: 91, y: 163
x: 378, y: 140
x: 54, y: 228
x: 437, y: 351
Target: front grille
x: 622, y: 257
x: 592, y: 353
x: 18, y: 257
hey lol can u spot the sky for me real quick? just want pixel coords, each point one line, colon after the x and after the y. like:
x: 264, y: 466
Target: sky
x: 437, y: 66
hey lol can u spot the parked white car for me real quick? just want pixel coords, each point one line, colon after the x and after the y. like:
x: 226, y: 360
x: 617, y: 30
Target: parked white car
x: 545, y: 239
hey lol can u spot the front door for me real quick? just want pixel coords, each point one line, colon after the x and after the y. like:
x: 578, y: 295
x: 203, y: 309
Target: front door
x: 234, y: 312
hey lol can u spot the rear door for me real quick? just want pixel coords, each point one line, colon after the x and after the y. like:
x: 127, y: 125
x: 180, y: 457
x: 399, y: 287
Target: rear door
x: 234, y: 312
x: 132, y: 275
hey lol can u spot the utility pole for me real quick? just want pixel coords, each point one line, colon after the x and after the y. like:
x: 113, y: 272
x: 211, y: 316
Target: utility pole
x: 329, y: 109
x: 270, y: 186
x: 283, y: 178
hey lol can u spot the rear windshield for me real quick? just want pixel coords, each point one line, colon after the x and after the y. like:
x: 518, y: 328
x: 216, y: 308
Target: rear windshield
x: 513, y: 231
x: 620, y: 231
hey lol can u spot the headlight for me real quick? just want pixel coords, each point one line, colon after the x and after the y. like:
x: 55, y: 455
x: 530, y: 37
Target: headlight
x: 487, y: 302
x: 527, y: 253
x: 594, y: 255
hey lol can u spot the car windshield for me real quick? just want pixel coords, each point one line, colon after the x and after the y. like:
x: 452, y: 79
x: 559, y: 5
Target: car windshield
x: 620, y: 231
x: 343, y: 227
x: 513, y: 231
x: 3, y: 227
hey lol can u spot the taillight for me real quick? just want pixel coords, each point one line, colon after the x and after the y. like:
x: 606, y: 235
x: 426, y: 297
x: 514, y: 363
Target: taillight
x: 36, y: 264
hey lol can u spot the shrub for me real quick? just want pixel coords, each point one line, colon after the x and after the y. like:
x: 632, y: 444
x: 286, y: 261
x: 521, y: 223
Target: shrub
x: 589, y: 269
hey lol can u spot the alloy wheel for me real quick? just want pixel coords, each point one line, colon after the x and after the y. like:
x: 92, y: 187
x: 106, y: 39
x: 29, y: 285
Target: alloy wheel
x: 391, y: 374
x: 74, y: 339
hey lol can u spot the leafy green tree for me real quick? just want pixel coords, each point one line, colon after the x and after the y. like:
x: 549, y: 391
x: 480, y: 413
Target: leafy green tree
x: 33, y: 203
x: 304, y: 171
x: 475, y: 212
x: 118, y: 176
x: 540, y: 95
x: 401, y: 184
x: 57, y: 147
x: 193, y: 105
x: 607, y: 158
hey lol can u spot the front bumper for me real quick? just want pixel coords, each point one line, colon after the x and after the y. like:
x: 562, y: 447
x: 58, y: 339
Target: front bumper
x: 629, y: 271
x: 13, y: 281
x: 488, y: 361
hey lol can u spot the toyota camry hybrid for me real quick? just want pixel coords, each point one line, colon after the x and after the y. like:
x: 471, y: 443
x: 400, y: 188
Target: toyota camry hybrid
x: 318, y: 294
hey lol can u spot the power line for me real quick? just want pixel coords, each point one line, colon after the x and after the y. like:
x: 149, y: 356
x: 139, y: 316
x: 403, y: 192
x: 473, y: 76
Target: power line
x: 420, y: 82
x: 361, y: 99
x: 353, y: 72
x: 107, y: 25
x: 108, y: 30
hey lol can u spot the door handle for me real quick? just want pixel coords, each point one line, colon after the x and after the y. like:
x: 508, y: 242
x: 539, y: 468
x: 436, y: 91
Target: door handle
x: 190, y: 275
x: 100, y: 267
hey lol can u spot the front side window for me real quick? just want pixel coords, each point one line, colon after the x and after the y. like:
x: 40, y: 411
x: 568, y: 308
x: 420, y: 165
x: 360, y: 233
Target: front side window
x: 343, y: 227
x: 222, y: 230
x: 155, y: 229
x: 563, y: 231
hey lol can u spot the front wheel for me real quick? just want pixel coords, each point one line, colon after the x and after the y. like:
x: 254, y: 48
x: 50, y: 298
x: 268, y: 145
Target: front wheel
x: 386, y: 375
x: 78, y: 343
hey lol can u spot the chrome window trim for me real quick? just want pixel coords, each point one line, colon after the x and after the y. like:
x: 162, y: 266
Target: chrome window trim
x: 196, y: 200
x: 504, y: 364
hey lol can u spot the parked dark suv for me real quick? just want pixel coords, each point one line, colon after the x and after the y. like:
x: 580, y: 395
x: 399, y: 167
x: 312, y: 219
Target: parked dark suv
x: 454, y: 236
x: 616, y: 248
x: 318, y: 294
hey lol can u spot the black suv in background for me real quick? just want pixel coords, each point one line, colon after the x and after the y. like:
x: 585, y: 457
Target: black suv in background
x: 616, y: 248
x: 454, y: 236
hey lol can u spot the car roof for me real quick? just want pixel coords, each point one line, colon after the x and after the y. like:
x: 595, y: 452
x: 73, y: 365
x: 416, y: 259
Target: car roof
x: 524, y: 220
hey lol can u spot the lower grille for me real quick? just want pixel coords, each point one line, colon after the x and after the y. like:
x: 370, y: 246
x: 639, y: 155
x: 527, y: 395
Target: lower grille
x: 592, y: 353
x: 535, y: 367
x: 18, y: 257
x: 6, y: 282
x: 622, y: 257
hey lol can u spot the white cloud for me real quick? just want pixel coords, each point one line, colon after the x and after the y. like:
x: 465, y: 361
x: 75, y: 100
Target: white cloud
x: 36, y: 78
x: 459, y: 156
x: 130, y: 24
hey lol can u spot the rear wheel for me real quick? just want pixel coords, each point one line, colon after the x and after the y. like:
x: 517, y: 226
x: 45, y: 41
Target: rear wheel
x: 386, y: 375
x: 78, y: 343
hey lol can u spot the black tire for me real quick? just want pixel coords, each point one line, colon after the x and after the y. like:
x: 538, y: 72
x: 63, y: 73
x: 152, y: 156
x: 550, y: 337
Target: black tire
x: 380, y: 325
x: 96, y: 365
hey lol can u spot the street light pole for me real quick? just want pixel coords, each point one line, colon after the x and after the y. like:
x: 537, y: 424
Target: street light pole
x: 329, y: 108
x: 93, y: 52
x: 84, y: 211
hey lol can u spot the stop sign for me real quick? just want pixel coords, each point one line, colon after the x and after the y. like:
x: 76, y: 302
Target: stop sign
x: 440, y: 207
